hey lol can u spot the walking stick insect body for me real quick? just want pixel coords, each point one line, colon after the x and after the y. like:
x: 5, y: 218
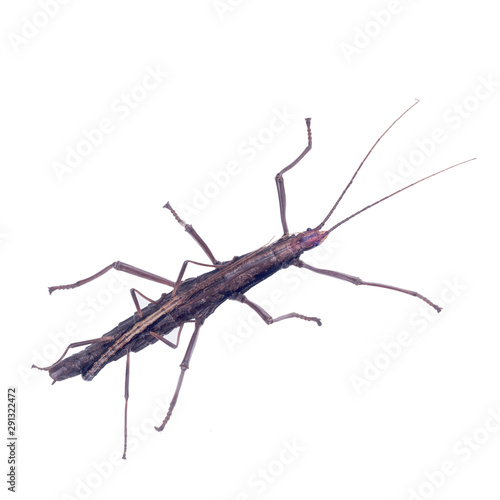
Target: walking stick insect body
x: 194, y: 299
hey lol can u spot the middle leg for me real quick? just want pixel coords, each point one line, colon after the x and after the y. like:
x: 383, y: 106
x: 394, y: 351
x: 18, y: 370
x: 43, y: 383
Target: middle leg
x: 191, y: 230
x: 268, y: 319
x: 183, y: 270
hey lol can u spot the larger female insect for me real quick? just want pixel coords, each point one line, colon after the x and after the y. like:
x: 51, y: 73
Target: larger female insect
x: 194, y: 299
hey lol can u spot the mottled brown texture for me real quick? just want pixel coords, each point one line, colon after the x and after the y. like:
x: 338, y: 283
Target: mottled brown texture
x: 196, y: 299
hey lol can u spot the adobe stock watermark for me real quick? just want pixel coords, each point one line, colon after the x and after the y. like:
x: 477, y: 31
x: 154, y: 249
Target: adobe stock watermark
x: 247, y: 150
x: 102, y: 470
x: 462, y: 450
x: 389, y: 352
x: 292, y: 278
x: 121, y: 108
x: 272, y: 470
x: 371, y: 29
x: 223, y: 7
x: 87, y: 310
x: 453, y: 117
x: 32, y: 25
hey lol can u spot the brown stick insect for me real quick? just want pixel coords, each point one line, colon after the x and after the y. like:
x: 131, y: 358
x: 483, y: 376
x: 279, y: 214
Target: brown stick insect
x: 195, y: 299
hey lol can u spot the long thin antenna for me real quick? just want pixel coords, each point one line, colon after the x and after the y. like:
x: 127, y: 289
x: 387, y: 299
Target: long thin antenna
x: 361, y: 164
x: 396, y: 192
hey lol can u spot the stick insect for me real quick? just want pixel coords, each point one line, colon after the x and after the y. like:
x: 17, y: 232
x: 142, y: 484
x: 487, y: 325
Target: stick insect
x: 193, y: 300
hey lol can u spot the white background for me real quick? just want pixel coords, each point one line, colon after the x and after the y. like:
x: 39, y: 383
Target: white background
x: 228, y: 73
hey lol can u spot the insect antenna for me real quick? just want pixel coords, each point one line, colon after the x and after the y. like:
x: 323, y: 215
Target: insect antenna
x: 362, y: 163
x: 396, y: 192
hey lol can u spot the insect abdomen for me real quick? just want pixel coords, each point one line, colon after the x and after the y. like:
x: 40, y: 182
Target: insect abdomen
x: 77, y: 364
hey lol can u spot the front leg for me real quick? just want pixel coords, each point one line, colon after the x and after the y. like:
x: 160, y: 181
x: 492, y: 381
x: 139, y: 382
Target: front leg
x: 358, y: 281
x: 280, y: 183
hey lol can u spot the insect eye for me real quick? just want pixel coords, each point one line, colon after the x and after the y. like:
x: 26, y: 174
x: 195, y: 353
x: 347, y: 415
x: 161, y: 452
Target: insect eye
x: 308, y: 229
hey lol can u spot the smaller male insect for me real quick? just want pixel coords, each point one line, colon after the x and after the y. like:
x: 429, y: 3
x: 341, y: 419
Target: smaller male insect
x: 194, y: 299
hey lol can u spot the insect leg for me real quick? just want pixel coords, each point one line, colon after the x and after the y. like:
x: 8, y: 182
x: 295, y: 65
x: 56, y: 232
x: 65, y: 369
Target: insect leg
x: 183, y: 270
x: 119, y: 266
x: 134, y: 294
x: 74, y: 344
x: 358, y: 281
x: 184, y: 366
x: 280, y: 183
x: 127, y: 379
x: 268, y: 319
x: 190, y: 229
x: 167, y: 342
